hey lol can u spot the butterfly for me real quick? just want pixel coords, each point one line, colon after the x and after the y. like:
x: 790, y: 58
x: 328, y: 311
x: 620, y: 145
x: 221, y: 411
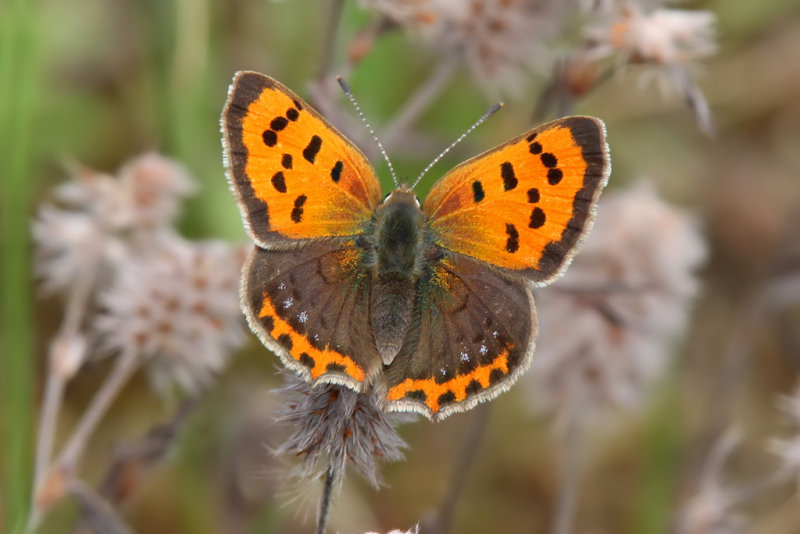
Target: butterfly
x: 428, y: 304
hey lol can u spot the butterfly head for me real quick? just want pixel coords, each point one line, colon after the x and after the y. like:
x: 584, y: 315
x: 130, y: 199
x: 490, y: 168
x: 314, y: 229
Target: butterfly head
x: 402, y: 195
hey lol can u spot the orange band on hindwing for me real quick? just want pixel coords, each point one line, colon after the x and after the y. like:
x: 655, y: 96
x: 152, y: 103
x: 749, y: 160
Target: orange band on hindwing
x: 456, y: 389
x: 315, y: 361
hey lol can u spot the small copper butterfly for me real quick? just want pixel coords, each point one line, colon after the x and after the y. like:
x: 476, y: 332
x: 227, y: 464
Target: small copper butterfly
x: 428, y: 304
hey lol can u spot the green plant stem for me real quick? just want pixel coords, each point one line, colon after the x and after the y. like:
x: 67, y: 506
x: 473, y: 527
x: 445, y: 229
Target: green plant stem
x: 18, y: 74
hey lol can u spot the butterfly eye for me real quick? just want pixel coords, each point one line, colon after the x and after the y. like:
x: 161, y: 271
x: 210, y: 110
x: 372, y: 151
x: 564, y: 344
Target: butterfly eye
x: 416, y: 199
x: 386, y: 197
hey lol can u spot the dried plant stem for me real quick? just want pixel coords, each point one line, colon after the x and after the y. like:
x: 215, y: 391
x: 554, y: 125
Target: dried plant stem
x: 324, y: 87
x: 325, y: 500
x: 444, y: 517
x: 421, y: 99
x: 64, y: 466
x: 123, y: 369
x: 570, y: 470
x: 51, y: 406
x: 329, y: 42
x: 557, y: 95
x: 756, y: 489
x: 77, y: 306
x: 96, y: 511
x: 138, y: 455
x: 781, y: 518
x: 735, y: 362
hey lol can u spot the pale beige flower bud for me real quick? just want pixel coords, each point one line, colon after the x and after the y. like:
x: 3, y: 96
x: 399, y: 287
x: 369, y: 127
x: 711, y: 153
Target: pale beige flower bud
x: 68, y: 353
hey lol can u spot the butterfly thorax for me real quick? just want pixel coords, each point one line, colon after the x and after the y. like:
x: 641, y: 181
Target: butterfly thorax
x: 399, y: 245
x: 399, y: 235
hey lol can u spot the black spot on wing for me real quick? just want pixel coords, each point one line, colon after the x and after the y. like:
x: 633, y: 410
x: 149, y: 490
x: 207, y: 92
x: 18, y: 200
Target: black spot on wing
x: 278, y: 123
x: 279, y: 182
x: 537, y: 218
x: 334, y: 368
x: 270, y: 138
x: 447, y: 398
x: 286, y: 161
x: 554, y: 176
x: 496, y: 376
x: 477, y: 191
x: 285, y: 341
x: 549, y: 160
x: 509, y: 179
x: 306, y: 360
x: 512, y: 244
x: 336, y: 171
x: 417, y: 394
x: 474, y: 387
x: 312, y: 149
x: 297, y: 212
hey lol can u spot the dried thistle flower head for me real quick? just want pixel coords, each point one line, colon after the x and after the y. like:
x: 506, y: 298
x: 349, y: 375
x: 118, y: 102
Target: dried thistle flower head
x: 672, y: 41
x: 500, y: 40
x: 154, y: 187
x: 606, y: 326
x: 177, y: 307
x: 68, y: 244
x: 335, y: 426
x: 101, y: 220
x: 661, y: 37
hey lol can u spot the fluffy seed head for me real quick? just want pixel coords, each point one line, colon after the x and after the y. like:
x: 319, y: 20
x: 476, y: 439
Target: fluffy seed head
x: 98, y: 221
x: 335, y: 426
x: 178, y: 308
x: 500, y: 40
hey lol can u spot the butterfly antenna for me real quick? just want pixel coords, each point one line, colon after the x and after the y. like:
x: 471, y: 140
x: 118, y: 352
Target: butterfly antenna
x: 489, y: 112
x: 346, y: 88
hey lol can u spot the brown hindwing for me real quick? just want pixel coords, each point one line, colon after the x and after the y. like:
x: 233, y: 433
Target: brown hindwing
x: 473, y: 335
x: 310, y: 307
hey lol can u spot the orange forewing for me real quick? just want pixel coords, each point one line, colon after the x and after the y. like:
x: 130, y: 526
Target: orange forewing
x: 524, y: 205
x: 294, y: 175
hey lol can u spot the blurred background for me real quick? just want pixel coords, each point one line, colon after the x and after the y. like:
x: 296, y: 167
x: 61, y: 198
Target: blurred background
x: 101, y: 82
